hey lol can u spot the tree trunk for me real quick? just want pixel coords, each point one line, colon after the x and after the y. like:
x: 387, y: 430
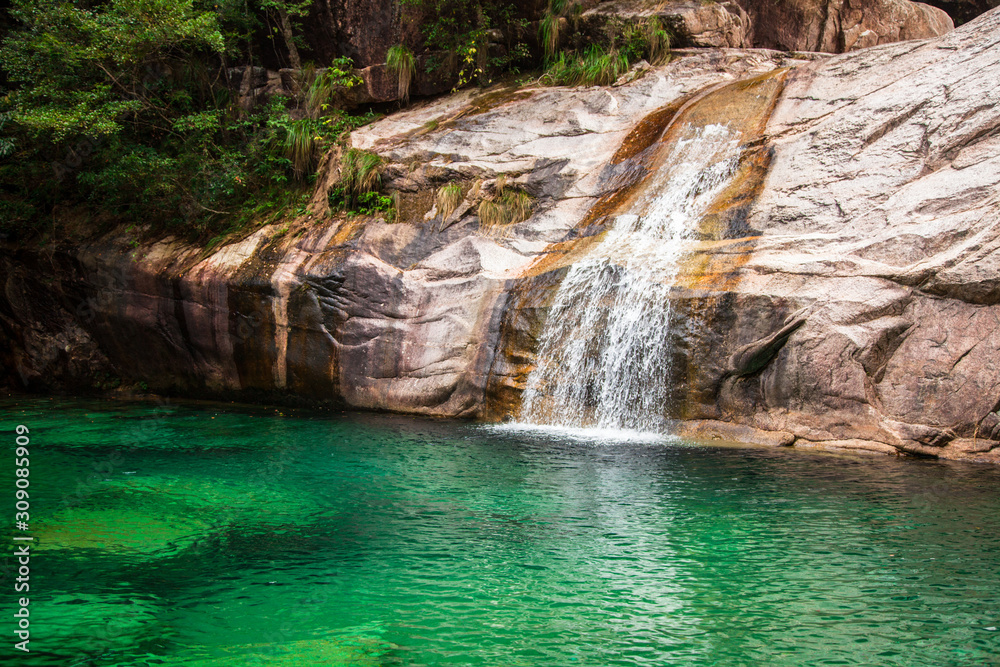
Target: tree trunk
x: 286, y: 31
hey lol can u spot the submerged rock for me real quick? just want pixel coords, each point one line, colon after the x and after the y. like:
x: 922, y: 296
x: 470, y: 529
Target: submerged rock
x: 119, y: 531
x: 85, y: 625
x: 334, y: 650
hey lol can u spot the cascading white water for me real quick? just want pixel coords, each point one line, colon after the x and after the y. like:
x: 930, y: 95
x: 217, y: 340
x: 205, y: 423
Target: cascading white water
x: 604, y: 353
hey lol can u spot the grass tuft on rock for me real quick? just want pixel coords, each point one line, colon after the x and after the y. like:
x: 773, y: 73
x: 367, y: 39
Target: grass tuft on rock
x: 596, y: 67
x: 401, y: 63
x: 301, y: 147
x: 359, y: 189
x: 506, y: 206
x: 448, y: 198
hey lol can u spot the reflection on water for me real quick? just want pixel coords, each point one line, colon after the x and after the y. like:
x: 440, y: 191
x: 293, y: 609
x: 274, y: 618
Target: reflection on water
x: 211, y: 536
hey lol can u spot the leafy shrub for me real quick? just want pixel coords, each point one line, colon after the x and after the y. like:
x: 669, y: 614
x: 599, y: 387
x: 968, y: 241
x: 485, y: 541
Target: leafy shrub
x: 323, y: 86
x: 123, y: 107
x: 464, y: 29
x: 358, y: 189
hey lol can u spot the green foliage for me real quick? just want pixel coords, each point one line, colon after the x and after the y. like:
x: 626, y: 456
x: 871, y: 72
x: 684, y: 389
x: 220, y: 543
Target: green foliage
x: 80, y: 72
x: 401, y: 64
x: 361, y: 171
x: 302, y: 145
x: 323, y: 86
x: 373, y: 203
x: 596, y: 67
x: 122, y: 107
x: 464, y: 29
x: 7, y: 144
x: 548, y: 27
x: 357, y: 190
x: 658, y: 38
x: 548, y: 34
x: 625, y: 42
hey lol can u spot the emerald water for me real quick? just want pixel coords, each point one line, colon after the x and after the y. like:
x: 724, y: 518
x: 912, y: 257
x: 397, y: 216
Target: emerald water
x: 213, y: 535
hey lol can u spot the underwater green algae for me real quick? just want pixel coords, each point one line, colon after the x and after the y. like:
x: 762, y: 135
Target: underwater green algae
x: 360, y: 651
x: 88, y: 623
x: 120, y: 529
x: 379, y: 540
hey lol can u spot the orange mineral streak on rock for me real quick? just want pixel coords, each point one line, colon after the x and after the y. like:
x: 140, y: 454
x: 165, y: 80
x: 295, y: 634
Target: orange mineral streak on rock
x: 713, y: 263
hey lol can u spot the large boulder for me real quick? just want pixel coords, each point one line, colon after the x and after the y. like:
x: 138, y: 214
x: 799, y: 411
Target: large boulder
x: 360, y: 30
x: 877, y: 235
x: 837, y: 26
x: 694, y: 23
x: 963, y: 11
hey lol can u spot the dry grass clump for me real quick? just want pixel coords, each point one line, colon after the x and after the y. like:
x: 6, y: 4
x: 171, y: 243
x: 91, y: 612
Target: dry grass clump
x: 448, y: 198
x: 506, y: 206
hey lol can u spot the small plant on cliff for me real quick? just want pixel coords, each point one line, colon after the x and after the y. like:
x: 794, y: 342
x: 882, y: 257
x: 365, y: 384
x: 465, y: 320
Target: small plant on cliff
x: 596, y: 67
x: 448, y: 198
x: 358, y: 190
x: 301, y: 146
x: 548, y: 28
x: 323, y: 86
x: 401, y: 64
x: 361, y: 171
x: 658, y: 40
x: 504, y: 207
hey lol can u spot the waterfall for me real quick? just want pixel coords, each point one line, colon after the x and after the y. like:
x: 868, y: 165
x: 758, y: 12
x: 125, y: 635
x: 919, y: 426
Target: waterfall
x: 604, y: 352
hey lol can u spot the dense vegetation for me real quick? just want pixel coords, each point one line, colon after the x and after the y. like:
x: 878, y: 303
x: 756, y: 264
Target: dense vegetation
x: 129, y: 111
x: 126, y: 106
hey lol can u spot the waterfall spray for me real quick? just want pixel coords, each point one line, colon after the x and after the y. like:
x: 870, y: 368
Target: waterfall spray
x: 604, y: 354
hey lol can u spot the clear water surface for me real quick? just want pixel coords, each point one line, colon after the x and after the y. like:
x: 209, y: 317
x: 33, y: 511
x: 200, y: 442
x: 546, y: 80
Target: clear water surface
x: 210, y: 535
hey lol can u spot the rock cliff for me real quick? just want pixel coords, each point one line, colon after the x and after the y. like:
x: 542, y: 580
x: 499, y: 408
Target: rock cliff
x: 844, y: 296
x: 837, y: 26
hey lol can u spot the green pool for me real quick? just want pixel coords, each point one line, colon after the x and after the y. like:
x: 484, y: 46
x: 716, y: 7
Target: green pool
x: 172, y: 534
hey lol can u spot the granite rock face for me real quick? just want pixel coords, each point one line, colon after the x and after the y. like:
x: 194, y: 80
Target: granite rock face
x: 856, y: 308
x: 697, y: 24
x: 878, y: 223
x: 837, y: 26
x: 845, y: 295
x: 396, y: 316
x: 963, y: 11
